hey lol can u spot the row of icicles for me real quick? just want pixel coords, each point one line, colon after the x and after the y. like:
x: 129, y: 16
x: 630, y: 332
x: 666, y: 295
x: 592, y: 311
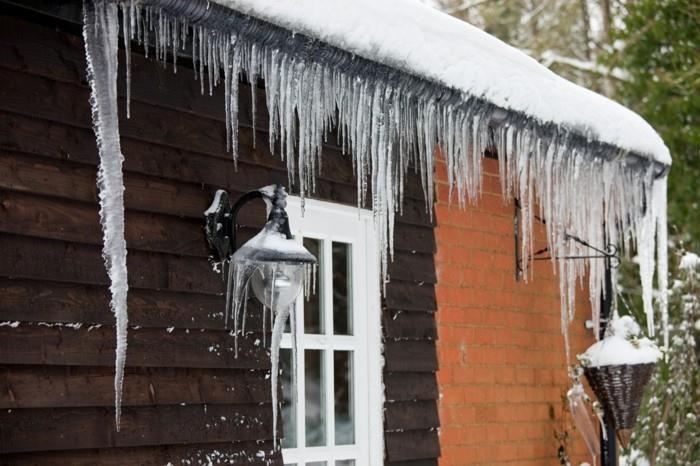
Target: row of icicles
x: 389, y: 128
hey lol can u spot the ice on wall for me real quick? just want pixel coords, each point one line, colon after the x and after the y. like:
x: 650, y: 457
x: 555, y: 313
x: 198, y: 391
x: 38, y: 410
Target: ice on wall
x: 100, y: 31
x: 578, y: 407
x: 579, y: 186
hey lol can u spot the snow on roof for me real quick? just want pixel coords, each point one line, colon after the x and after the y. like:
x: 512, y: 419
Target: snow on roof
x: 417, y: 39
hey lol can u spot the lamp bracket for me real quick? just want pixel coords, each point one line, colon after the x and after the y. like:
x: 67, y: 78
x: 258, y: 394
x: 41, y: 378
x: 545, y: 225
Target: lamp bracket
x: 220, y: 224
x: 610, y: 253
x: 219, y: 227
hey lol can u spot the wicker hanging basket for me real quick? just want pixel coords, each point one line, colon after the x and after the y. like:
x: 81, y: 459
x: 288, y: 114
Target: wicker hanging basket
x: 620, y: 389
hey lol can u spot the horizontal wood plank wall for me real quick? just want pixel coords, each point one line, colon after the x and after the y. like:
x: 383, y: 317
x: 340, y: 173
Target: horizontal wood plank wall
x: 185, y: 396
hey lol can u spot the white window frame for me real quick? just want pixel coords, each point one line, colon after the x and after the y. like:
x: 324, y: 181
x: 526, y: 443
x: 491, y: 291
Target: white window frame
x: 335, y: 222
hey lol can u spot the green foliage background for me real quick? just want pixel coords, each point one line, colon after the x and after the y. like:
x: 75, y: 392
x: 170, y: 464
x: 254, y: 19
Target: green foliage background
x: 661, y: 53
x: 645, y: 54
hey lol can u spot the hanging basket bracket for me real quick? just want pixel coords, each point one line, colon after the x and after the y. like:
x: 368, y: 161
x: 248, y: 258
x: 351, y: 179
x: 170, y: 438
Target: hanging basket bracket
x: 610, y: 253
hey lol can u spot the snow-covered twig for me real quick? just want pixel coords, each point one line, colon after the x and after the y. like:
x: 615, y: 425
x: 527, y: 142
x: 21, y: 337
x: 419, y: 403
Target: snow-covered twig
x: 550, y: 57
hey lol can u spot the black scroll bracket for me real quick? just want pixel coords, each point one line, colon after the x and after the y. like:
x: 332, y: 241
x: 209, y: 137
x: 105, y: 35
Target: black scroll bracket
x: 610, y: 253
x: 221, y: 220
x: 221, y: 225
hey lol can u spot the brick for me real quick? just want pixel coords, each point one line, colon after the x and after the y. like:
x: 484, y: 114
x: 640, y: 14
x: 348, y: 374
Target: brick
x: 500, y: 349
x: 447, y: 275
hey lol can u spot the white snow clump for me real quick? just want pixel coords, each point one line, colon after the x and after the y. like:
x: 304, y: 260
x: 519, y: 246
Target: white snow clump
x: 623, y: 344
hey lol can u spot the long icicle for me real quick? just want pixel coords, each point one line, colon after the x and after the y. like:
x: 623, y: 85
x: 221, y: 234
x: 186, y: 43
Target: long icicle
x: 100, y: 32
x: 660, y: 188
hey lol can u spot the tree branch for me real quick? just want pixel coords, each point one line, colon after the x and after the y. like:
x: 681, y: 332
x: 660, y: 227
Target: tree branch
x: 467, y: 5
x: 550, y: 57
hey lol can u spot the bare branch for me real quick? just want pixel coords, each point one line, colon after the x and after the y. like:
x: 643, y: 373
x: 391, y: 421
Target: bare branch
x: 467, y: 5
x: 550, y: 57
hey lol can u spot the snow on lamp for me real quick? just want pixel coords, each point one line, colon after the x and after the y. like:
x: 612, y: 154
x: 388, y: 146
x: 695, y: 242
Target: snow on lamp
x: 272, y: 264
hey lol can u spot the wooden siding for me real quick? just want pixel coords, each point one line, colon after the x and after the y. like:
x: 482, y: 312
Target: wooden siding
x: 185, y: 395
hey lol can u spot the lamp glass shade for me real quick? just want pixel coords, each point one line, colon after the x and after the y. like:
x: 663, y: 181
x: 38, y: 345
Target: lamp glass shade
x: 273, y: 266
x: 277, y: 285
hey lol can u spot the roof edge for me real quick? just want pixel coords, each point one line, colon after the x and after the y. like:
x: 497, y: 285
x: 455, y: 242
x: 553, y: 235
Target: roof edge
x: 217, y: 16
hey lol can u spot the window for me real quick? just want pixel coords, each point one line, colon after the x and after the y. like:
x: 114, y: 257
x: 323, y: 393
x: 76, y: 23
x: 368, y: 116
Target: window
x: 337, y: 417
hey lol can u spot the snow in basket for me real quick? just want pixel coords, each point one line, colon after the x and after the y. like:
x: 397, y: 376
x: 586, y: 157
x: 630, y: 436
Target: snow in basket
x: 623, y: 344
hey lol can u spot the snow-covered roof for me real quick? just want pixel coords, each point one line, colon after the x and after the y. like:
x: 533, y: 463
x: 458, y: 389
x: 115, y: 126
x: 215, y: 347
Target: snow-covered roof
x: 415, y: 38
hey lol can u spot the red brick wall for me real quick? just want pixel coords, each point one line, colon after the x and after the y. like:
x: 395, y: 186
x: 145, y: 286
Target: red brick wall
x: 502, y: 369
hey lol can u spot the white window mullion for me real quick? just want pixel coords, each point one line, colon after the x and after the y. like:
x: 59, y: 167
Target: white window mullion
x: 336, y: 341
x: 328, y: 360
x: 329, y: 454
x: 300, y: 377
x: 373, y: 339
x: 359, y: 366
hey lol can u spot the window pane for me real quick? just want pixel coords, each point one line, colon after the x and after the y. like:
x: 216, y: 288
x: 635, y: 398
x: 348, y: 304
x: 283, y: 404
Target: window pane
x: 317, y: 463
x: 342, y: 305
x: 345, y: 463
x: 313, y: 310
x: 288, y: 409
x: 344, y: 398
x: 315, y: 398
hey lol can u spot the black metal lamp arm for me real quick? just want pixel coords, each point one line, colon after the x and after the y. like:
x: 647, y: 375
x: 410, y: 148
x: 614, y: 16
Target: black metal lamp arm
x: 221, y: 219
x: 243, y: 200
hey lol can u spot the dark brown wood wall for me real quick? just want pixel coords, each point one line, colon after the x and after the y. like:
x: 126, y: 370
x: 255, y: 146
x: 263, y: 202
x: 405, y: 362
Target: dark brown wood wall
x: 185, y: 395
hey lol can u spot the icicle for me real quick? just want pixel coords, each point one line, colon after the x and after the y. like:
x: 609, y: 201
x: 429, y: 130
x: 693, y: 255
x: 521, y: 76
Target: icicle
x: 264, y: 325
x: 600, y: 414
x: 577, y: 405
x: 100, y: 32
x: 645, y: 254
x: 227, y: 94
x: 239, y: 298
x: 660, y: 188
x: 314, y: 273
x: 127, y: 15
x: 245, y: 310
x: 229, y: 291
x: 277, y: 332
x: 233, y: 96
x: 200, y: 35
x: 237, y: 293
x: 253, y: 78
x: 295, y: 354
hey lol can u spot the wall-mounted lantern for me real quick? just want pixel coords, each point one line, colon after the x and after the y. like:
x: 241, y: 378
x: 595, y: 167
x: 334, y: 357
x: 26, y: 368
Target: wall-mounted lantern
x: 272, y: 263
